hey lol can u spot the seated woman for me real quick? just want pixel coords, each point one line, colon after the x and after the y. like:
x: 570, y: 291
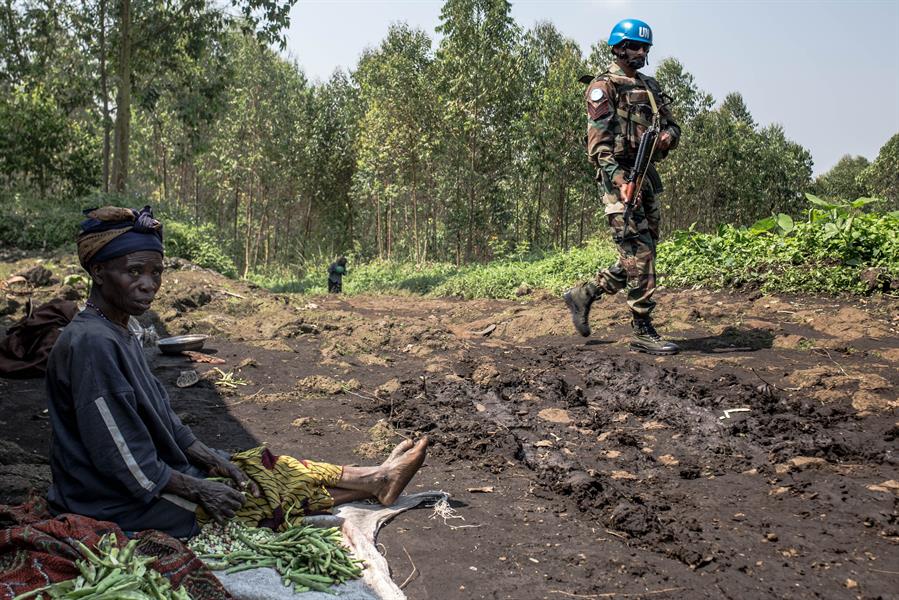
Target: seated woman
x: 119, y: 452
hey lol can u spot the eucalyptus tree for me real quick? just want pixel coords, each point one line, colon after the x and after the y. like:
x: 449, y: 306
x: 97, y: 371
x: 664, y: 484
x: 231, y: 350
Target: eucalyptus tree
x: 688, y: 100
x: 549, y: 139
x: 150, y: 35
x: 49, y: 125
x: 600, y: 57
x: 881, y: 177
x: 478, y: 89
x: 329, y: 214
x: 842, y: 183
x: 727, y: 169
x: 393, y: 178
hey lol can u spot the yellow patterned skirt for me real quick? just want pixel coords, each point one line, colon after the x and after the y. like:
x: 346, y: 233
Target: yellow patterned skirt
x: 290, y: 488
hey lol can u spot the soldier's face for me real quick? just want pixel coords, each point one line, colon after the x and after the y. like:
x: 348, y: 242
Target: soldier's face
x: 634, y: 54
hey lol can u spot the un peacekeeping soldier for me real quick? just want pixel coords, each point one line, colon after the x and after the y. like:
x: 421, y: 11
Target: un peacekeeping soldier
x: 621, y: 104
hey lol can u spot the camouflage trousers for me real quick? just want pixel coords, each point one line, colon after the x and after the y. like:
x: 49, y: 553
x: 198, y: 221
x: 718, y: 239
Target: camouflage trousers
x: 636, y: 265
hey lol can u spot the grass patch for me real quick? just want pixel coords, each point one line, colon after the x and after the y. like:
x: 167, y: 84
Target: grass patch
x: 838, y: 249
x: 553, y: 271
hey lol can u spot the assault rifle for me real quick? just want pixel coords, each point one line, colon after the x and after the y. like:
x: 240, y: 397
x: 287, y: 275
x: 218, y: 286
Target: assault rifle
x: 643, y: 164
x: 637, y: 174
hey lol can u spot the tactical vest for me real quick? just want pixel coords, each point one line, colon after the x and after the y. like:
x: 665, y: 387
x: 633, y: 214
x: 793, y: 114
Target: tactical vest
x: 633, y: 112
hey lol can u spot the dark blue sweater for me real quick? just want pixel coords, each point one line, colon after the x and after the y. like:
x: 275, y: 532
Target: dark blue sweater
x: 115, y: 438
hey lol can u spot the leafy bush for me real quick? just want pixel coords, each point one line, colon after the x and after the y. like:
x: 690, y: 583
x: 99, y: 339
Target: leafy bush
x: 199, y: 245
x: 554, y: 271
x: 40, y: 144
x: 826, y: 253
x: 28, y: 223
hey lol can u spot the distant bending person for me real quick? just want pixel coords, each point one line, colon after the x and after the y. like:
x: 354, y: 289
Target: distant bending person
x: 120, y: 453
x: 336, y: 271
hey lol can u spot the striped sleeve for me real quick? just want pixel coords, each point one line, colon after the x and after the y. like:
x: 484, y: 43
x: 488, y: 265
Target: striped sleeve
x: 120, y: 446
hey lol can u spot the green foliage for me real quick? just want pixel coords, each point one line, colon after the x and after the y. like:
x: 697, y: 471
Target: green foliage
x: 470, y: 151
x: 727, y: 169
x: 677, y: 82
x: 39, y: 145
x: 30, y: 223
x: 827, y: 252
x: 198, y: 245
x: 498, y: 279
x: 842, y: 181
x: 555, y: 272
x: 881, y: 178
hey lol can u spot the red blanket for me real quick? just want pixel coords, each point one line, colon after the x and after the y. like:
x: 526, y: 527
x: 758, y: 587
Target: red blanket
x: 37, y: 550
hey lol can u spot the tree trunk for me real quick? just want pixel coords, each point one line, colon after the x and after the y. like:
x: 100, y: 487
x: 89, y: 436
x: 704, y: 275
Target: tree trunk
x: 165, y: 173
x: 580, y: 231
x: 472, y: 182
x: 236, y: 212
x: 307, y: 225
x: 535, y: 238
x: 286, y: 255
x: 415, y: 217
x: 123, y: 101
x: 378, y: 225
x: 389, y: 218
x: 196, y: 194
x: 248, y: 215
x: 104, y: 91
x: 263, y: 223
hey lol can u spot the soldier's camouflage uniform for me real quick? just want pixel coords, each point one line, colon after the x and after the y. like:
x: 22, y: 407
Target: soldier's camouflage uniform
x: 618, y: 112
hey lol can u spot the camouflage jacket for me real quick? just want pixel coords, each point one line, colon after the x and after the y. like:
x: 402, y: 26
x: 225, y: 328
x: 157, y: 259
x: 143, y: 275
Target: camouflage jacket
x: 618, y: 112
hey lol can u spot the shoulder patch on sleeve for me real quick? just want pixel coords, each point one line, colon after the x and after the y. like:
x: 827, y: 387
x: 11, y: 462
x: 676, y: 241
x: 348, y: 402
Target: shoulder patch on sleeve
x: 596, y: 94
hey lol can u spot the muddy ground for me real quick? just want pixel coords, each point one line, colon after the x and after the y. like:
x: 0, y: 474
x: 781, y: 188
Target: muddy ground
x: 577, y: 469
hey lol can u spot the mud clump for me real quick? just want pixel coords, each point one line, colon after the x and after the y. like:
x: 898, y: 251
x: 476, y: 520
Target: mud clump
x: 381, y: 436
x: 38, y: 276
x: 325, y: 385
x: 632, y: 518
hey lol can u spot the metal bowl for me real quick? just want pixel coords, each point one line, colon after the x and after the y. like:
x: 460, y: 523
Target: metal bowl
x: 174, y: 345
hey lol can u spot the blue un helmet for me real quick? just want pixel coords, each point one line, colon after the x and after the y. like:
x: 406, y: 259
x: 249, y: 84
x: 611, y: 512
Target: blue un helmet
x: 630, y: 29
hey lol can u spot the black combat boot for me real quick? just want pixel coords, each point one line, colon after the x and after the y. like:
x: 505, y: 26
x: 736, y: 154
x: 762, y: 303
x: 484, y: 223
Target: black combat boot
x: 579, y: 299
x: 647, y: 339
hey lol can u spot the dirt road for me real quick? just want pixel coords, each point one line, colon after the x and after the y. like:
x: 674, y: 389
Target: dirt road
x: 761, y: 462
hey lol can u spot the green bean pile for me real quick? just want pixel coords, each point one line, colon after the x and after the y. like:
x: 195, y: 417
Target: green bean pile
x: 307, y: 557
x: 223, y: 539
x: 111, y: 573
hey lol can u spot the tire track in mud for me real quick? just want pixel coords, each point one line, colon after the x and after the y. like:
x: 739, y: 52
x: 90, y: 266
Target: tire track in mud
x: 619, y: 439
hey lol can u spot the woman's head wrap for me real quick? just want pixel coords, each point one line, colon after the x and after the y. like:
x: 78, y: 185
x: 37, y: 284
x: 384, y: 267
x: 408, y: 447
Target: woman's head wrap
x: 111, y: 232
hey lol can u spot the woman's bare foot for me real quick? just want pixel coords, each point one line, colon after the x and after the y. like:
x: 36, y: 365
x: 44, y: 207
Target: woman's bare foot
x: 400, y: 467
x: 399, y: 450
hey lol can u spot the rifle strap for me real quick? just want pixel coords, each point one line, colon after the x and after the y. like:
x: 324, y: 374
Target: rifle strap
x: 652, y: 101
x: 652, y: 97
x: 655, y: 141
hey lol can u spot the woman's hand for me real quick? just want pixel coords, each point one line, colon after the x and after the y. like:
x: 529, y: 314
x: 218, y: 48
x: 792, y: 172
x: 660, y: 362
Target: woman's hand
x: 220, y: 501
x: 228, y: 469
x: 219, y: 466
